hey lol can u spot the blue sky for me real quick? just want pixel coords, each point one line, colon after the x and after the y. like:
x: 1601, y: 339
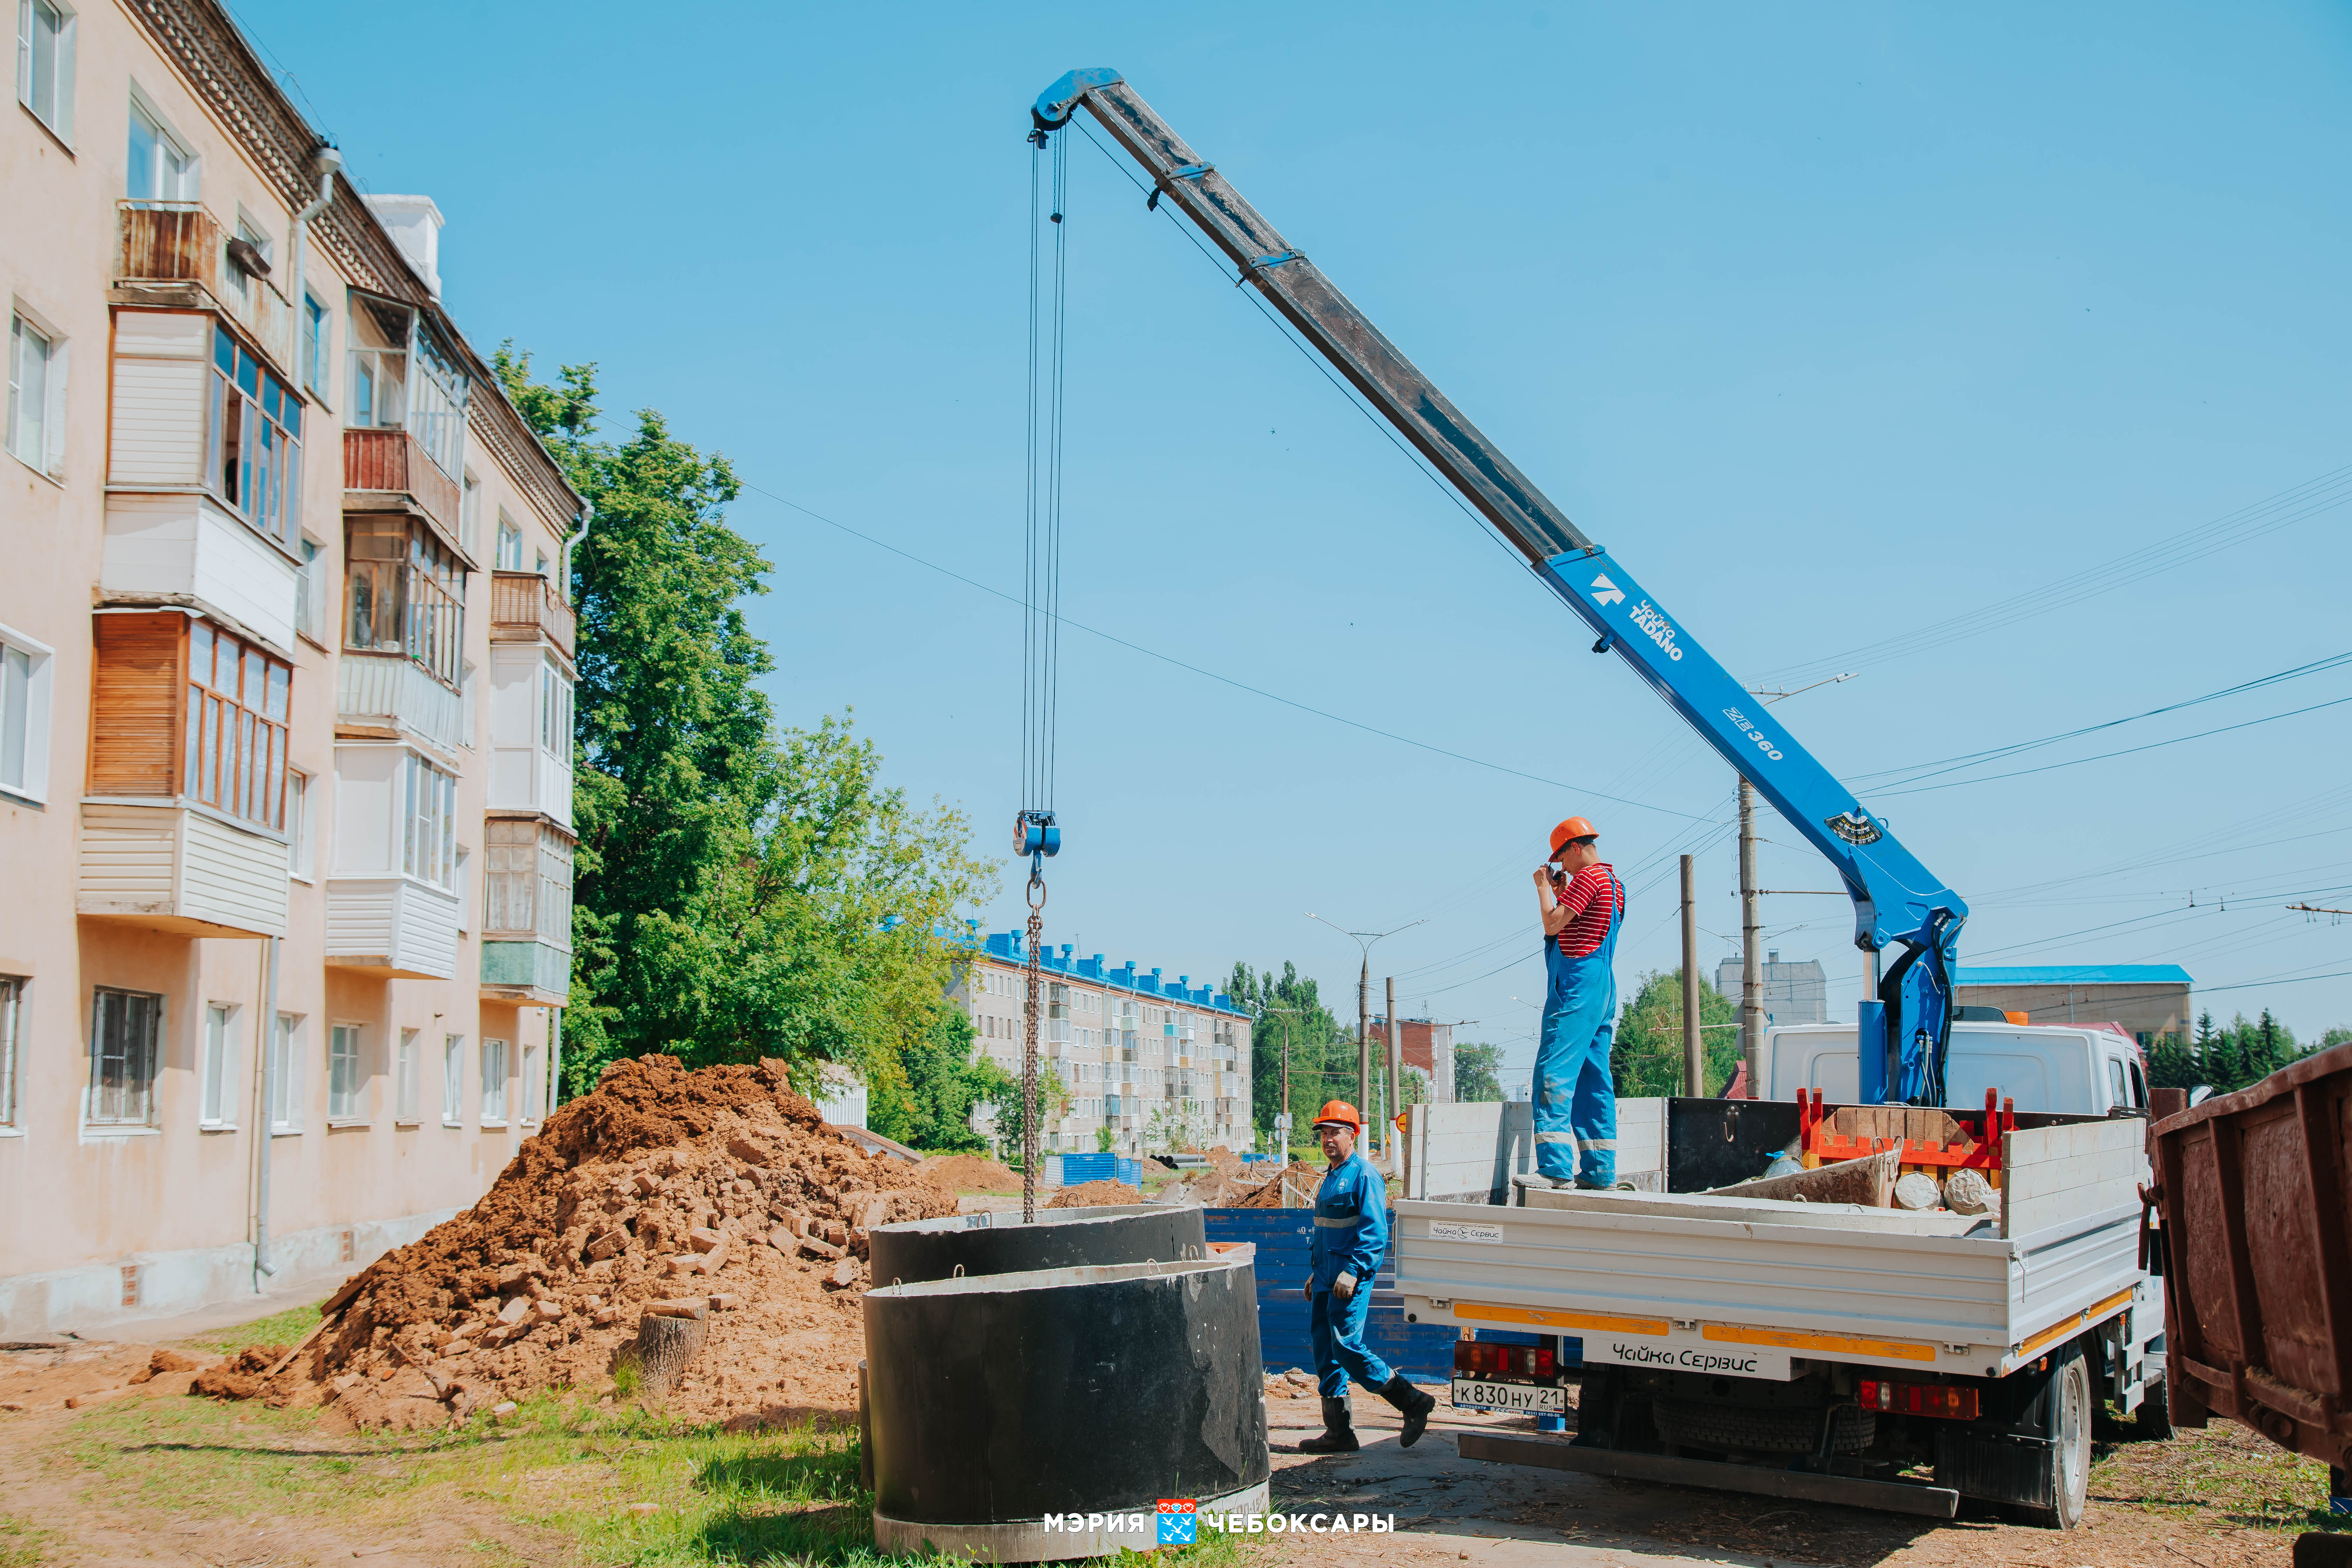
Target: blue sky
x: 1831, y: 322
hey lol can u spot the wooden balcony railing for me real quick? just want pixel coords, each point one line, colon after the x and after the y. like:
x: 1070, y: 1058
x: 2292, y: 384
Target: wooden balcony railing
x: 180, y: 242
x: 525, y: 605
x: 390, y: 460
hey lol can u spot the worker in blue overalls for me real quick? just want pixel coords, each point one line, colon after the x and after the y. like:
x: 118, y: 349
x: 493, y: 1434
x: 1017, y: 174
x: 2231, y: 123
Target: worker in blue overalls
x: 1582, y: 905
x: 1352, y: 1234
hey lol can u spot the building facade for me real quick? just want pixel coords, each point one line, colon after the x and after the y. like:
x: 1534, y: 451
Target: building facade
x: 1790, y: 992
x: 1145, y: 1056
x: 1428, y: 1050
x: 2148, y: 999
x: 286, y: 669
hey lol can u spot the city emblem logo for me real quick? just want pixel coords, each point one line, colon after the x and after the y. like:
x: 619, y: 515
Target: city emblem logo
x: 1180, y: 1521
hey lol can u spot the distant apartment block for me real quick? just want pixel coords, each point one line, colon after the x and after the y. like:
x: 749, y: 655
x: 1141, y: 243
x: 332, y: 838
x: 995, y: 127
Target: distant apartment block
x: 1790, y: 992
x: 285, y: 675
x: 1127, y: 1045
x: 1427, y: 1048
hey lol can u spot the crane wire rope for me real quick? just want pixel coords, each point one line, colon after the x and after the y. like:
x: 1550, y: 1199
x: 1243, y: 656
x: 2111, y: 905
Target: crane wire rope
x: 1034, y: 832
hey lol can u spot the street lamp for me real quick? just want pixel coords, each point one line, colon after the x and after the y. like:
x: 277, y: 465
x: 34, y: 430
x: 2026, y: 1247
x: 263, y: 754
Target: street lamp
x: 1364, y: 940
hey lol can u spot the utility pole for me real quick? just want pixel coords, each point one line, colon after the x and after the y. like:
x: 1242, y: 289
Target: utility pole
x: 1363, y: 941
x: 1694, y: 1057
x: 1751, y: 996
x: 1395, y: 1106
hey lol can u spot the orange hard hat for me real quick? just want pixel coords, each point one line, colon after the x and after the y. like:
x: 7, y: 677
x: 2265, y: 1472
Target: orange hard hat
x: 1341, y: 1111
x: 1574, y: 827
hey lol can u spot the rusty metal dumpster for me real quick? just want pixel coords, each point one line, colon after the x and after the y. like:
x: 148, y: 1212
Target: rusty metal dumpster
x: 2256, y: 1193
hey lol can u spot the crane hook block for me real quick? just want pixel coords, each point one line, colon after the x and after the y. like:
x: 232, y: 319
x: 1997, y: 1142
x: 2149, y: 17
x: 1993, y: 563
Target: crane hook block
x: 1033, y: 833
x: 1052, y: 110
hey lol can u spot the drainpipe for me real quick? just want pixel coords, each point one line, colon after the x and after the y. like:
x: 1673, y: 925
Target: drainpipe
x: 587, y: 516
x: 326, y: 160
x: 267, y: 1119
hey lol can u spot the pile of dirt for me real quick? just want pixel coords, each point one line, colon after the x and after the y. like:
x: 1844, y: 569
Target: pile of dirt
x: 1304, y: 1178
x: 1091, y: 1195
x: 717, y: 1193
x: 970, y: 1173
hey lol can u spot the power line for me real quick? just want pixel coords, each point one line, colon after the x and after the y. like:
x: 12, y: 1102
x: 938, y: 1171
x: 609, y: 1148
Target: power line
x: 2104, y: 756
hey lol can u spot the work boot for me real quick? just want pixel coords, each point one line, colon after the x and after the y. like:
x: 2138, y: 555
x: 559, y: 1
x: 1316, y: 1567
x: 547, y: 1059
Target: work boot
x: 1338, y: 1430
x: 1413, y: 1404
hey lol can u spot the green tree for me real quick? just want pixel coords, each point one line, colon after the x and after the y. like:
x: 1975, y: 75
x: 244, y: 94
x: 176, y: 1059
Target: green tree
x: 1002, y: 1090
x: 931, y: 1108
x: 739, y: 891
x: 2338, y: 1035
x: 1477, y: 1072
x: 1647, y: 1057
x: 1322, y: 1053
x: 2172, y: 1064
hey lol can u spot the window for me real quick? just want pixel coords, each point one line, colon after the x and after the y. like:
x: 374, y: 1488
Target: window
x: 12, y: 1036
x: 379, y: 340
x: 510, y: 545
x: 428, y: 850
x: 437, y: 412
x: 453, y: 1079
x: 36, y: 386
x: 218, y: 1090
x: 346, y: 1083
x: 406, y: 1081
x: 159, y: 169
x: 531, y: 1085
x: 540, y: 564
x: 494, y: 1083
x: 123, y: 1029
x: 253, y: 447
x: 286, y: 1074
x: 554, y: 713
x: 44, y: 55
x: 301, y: 825
x: 24, y: 716
x: 237, y: 697
x: 463, y: 884
x: 310, y: 593
x: 2118, y: 1095
x: 469, y: 517
x: 402, y: 375
x: 407, y: 595
x: 316, y: 343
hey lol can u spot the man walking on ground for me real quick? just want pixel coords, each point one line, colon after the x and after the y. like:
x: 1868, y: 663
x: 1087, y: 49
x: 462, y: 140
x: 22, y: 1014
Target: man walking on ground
x: 1352, y: 1234
x: 1582, y: 905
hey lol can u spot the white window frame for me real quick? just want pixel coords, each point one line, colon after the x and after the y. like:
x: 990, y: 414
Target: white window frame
x: 347, y: 1093
x: 453, y: 1080
x: 12, y: 1051
x: 49, y: 460
x: 510, y: 548
x: 62, y: 83
x: 464, y: 888
x: 191, y: 163
x: 286, y: 1075
x: 217, y: 1068
x: 27, y: 670
x: 314, y: 591
x: 302, y: 826
x: 318, y: 362
x: 495, y: 1053
x: 555, y: 722
x: 407, y: 1073
x: 532, y: 1090
x: 145, y: 1120
x: 470, y: 515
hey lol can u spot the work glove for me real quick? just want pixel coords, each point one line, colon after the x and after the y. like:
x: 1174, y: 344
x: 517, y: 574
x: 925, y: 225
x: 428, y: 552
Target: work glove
x: 1344, y: 1287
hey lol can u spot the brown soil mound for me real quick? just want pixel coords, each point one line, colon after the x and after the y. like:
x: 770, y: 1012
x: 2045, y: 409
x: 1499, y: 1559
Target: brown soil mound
x: 970, y: 1173
x: 1304, y: 1178
x: 1090, y: 1195
x: 661, y: 1185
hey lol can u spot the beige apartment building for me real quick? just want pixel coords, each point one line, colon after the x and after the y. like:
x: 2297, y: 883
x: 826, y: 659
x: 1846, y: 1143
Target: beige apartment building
x: 1130, y: 1047
x: 285, y: 669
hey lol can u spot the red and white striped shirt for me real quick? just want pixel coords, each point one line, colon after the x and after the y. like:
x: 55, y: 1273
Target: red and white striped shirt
x: 1594, y: 898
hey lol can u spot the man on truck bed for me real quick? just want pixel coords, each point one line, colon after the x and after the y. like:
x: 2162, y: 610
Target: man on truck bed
x: 1582, y: 904
x: 1351, y: 1234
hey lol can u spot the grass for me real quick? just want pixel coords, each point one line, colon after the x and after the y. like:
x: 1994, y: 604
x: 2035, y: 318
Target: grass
x: 20, y: 1542
x: 559, y: 1464
x: 277, y: 1329
x: 2224, y: 1470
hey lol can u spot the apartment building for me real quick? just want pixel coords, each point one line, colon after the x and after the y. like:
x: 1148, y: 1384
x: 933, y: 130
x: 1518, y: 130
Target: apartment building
x: 286, y: 667
x: 1130, y: 1047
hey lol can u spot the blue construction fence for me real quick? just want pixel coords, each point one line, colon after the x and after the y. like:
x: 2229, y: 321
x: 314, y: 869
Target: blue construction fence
x: 1423, y: 1352
x: 1080, y: 1168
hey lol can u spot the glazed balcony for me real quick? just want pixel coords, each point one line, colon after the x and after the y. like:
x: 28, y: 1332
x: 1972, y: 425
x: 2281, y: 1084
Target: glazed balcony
x: 389, y: 695
x: 525, y: 606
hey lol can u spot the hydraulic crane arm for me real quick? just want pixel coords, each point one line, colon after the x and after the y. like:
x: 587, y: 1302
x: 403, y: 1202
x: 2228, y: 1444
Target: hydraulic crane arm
x: 1896, y: 902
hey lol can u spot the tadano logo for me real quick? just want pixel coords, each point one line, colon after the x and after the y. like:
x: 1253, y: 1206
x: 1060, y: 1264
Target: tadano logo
x: 1659, y: 629
x: 1606, y: 593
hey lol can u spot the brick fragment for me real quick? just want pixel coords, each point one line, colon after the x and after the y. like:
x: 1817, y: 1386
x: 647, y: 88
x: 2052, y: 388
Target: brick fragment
x: 605, y: 1245
x: 812, y: 1246
x: 725, y: 1301
x: 511, y: 1313
x: 681, y: 1307
x: 751, y: 1150
x: 843, y: 1273
x: 646, y: 1183
x: 702, y: 1238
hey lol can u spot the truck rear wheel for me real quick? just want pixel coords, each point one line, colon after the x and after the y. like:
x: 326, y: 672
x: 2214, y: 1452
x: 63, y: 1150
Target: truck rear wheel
x: 2070, y: 1450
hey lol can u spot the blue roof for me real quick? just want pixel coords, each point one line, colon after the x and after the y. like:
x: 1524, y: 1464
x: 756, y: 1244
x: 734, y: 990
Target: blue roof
x: 1011, y: 947
x: 2076, y: 974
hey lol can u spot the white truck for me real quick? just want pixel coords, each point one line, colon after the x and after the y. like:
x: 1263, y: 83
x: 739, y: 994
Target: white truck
x: 1833, y: 1353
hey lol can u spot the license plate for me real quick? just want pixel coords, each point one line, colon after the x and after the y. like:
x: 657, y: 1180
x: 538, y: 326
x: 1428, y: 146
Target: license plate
x: 1478, y: 1396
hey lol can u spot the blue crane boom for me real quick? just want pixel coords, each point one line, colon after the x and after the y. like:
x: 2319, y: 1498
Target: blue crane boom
x: 1897, y: 904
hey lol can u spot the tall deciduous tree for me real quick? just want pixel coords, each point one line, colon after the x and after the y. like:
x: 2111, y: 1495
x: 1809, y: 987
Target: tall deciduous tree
x: 1322, y: 1053
x: 1477, y: 1072
x: 740, y: 892
x: 1647, y: 1055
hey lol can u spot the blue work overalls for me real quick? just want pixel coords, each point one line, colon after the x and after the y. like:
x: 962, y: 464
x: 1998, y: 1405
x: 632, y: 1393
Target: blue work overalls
x: 1352, y: 1234
x: 1576, y: 1107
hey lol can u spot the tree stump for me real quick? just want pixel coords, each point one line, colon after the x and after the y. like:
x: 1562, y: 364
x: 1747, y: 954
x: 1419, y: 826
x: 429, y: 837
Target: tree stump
x: 665, y: 1346
x: 1869, y: 1180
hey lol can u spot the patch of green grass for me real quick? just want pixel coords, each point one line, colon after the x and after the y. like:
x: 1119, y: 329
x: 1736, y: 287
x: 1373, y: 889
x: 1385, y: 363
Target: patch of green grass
x: 277, y: 1329
x: 20, y: 1542
x: 2224, y: 1470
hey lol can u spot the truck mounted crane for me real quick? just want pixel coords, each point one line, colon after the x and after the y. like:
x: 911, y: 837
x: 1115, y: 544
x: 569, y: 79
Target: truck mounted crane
x: 1904, y: 1028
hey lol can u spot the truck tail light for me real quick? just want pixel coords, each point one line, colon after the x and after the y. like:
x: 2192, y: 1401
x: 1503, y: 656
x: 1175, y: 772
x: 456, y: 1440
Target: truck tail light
x: 1476, y: 1359
x: 1949, y: 1401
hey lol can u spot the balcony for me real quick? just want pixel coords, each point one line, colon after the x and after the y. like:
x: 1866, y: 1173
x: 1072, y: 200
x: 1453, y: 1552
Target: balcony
x: 180, y: 869
x: 387, y: 470
x: 526, y: 912
x: 182, y: 548
x: 394, y: 928
x: 525, y: 606
x: 389, y: 695
x: 174, y: 253
x: 530, y: 707
x: 528, y: 971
